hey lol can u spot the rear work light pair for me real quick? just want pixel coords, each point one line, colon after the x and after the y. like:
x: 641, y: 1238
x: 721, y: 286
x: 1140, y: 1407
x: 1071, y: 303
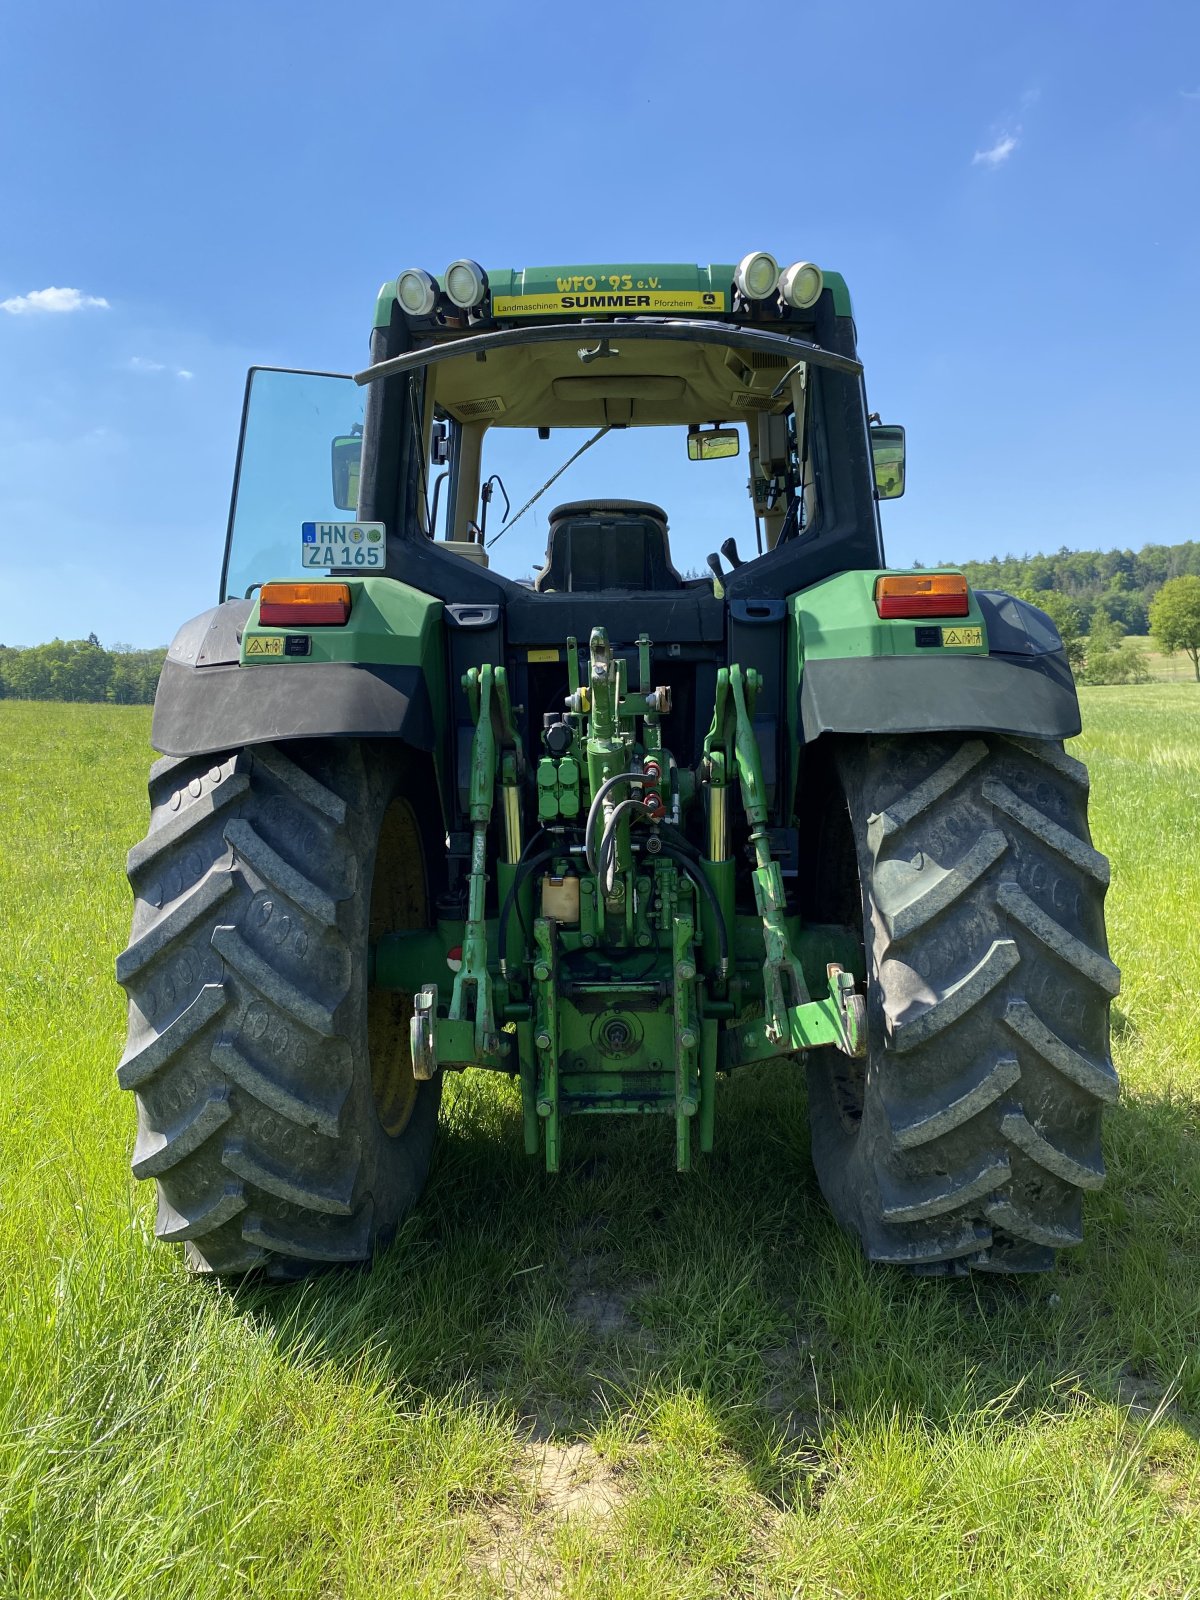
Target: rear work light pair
x: 465, y: 283
x: 304, y: 605
x: 757, y: 276
x: 933, y: 594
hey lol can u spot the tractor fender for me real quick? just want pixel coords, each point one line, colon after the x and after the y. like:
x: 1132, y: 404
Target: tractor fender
x: 1023, y: 685
x: 207, y: 702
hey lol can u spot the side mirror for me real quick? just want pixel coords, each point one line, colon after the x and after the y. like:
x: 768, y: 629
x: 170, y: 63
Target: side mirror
x: 346, y: 457
x: 713, y: 444
x: 887, y: 456
x: 439, y: 444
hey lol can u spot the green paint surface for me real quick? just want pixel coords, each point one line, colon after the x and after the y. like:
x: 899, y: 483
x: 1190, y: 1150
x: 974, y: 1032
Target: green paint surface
x: 614, y: 276
x: 837, y: 620
x: 390, y: 624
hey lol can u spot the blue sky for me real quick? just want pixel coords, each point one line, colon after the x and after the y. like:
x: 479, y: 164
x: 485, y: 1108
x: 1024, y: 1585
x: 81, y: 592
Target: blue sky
x: 1011, y: 192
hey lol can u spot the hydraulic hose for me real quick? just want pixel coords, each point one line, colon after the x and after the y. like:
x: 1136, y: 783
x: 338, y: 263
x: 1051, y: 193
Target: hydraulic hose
x: 690, y: 868
x: 693, y: 872
x: 671, y: 835
x: 525, y: 866
x: 589, y: 832
x: 608, y: 841
x: 680, y: 853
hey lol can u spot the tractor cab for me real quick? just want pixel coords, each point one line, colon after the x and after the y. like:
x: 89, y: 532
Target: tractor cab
x: 732, y: 393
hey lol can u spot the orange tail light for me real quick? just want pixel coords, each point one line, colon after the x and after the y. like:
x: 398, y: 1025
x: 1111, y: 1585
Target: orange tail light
x: 304, y: 605
x: 933, y: 594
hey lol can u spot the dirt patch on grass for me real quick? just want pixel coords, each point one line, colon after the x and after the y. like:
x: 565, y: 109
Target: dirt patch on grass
x: 560, y: 1484
x: 1142, y: 1394
x: 1181, y: 1495
x: 573, y: 1481
x: 790, y: 1396
x: 602, y: 1312
x: 600, y: 1301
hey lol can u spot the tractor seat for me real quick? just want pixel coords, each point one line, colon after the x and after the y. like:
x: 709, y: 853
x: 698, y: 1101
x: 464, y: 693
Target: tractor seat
x: 607, y: 544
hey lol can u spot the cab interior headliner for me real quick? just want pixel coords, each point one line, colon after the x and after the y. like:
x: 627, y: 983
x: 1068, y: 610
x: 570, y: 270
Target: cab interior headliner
x: 647, y: 383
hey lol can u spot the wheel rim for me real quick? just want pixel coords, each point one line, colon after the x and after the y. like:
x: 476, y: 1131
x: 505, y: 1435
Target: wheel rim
x: 840, y: 901
x: 399, y: 901
x: 848, y: 1081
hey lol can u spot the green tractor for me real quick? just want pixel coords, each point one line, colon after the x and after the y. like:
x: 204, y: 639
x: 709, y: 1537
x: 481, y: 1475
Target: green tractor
x: 616, y: 830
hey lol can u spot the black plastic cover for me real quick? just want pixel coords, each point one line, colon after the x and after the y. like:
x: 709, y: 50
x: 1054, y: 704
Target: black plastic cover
x: 214, y: 638
x: 199, y: 710
x: 1030, y: 693
x: 691, y: 615
x: 1014, y: 627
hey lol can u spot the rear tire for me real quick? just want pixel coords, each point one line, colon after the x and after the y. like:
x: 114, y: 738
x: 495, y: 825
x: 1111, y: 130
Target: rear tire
x: 968, y: 1135
x: 276, y: 1104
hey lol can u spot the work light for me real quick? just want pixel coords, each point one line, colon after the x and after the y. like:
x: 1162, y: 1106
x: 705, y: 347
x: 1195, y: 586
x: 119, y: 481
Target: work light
x: 466, y: 283
x: 801, y: 284
x: 756, y: 275
x: 417, y: 292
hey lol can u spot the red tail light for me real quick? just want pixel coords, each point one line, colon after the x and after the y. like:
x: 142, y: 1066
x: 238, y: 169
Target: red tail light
x: 304, y: 605
x: 932, y: 594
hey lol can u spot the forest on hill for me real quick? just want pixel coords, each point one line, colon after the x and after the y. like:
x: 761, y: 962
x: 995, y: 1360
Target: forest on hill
x: 1117, y: 584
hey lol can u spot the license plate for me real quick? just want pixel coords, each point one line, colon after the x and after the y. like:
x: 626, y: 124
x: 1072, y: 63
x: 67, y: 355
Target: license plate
x: 336, y: 546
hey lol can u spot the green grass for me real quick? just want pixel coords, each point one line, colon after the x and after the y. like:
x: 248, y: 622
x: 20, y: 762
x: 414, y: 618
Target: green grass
x: 617, y: 1382
x: 1175, y: 668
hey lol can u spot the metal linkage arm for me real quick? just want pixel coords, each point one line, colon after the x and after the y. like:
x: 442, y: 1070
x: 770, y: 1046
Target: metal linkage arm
x: 487, y: 694
x: 792, y: 1020
x: 783, y: 976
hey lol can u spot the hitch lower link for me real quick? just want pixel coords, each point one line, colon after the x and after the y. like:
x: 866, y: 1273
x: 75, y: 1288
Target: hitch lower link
x: 792, y: 1020
x: 469, y: 1034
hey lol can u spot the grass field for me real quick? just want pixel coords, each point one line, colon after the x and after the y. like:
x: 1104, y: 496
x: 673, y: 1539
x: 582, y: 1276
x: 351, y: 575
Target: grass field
x: 1175, y: 668
x: 618, y: 1382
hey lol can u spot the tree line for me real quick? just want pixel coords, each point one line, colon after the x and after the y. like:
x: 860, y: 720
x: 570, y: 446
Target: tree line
x: 1096, y: 597
x: 1119, y: 585
x: 80, y: 669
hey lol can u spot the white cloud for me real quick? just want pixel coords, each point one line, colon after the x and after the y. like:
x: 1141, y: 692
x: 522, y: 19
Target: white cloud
x: 999, y: 153
x: 57, y: 300
x: 1190, y: 94
x: 144, y: 365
